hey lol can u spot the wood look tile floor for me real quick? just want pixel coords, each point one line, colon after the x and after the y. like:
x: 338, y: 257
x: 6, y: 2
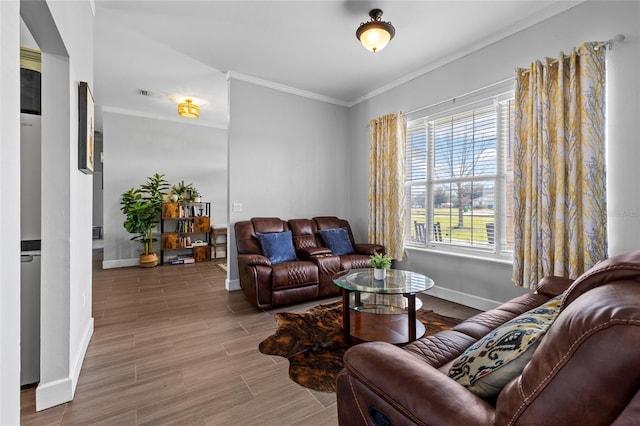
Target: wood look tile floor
x: 172, y: 347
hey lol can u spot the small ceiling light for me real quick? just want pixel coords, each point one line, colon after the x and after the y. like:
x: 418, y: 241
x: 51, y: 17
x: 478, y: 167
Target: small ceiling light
x: 188, y: 109
x: 375, y: 34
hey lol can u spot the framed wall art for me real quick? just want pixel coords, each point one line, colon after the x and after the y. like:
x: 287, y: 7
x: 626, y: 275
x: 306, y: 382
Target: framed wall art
x: 85, y: 129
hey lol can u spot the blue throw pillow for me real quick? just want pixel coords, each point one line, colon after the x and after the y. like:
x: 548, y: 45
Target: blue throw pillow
x: 337, y: 240
x: 277, y: 246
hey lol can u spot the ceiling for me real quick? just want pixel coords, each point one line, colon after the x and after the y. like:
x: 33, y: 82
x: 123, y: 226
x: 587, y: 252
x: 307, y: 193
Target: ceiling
x: 179, y: 49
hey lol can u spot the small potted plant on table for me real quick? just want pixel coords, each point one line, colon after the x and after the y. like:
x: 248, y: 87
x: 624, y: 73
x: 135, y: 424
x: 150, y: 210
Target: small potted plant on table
x: 380, y: 262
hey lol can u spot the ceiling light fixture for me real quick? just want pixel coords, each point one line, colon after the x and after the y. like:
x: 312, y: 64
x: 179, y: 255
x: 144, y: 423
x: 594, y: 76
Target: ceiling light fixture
x: 375, y: 34
x: 188, y: 109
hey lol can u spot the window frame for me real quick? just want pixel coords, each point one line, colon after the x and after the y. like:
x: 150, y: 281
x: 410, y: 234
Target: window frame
x: 501, y: 249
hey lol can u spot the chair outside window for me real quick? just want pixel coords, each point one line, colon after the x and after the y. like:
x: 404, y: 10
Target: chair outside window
x: 437, y: 232
x: 491, y: 233
x: 421, y: 232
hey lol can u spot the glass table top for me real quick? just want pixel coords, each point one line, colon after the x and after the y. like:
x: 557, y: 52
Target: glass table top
x: 396, y: 281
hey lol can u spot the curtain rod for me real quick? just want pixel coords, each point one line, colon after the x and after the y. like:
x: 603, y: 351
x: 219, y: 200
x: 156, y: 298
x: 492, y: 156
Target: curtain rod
x: 615, y: 40
x: 473, y: 92
x: 606, y: 44
x: 609, y: 43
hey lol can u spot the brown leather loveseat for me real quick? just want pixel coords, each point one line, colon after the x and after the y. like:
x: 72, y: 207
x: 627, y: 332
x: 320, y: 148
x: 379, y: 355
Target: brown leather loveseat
x: 304, y: 271
x: 585, y: 370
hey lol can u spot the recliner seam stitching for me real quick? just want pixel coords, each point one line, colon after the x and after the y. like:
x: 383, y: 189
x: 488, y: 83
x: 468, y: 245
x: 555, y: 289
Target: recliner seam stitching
x: 561, y: 362
x: 379, y: 393
x: 355, y: 397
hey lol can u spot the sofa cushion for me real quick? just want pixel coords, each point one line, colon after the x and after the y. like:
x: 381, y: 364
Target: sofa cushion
x: 337, y: 240
x: 277, y: 246
x: 490, y: 363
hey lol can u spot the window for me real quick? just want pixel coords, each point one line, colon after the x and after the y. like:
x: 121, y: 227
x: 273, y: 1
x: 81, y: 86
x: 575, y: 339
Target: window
x: 459, y: 178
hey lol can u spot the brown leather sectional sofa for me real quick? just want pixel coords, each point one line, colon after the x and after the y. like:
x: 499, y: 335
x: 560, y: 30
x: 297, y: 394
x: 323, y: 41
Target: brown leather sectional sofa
x: 308, y: 275
x: 585, y: 370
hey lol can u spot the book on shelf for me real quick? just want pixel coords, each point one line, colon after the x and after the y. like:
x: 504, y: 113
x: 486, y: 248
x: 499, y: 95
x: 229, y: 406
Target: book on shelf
x: 182, y: 260
x: 191, y: 210
x: 184, y: 226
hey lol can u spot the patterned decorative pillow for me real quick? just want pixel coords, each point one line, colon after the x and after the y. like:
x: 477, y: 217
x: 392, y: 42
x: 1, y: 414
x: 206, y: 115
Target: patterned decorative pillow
x: 490, y: 363
x: 337, y: 240
x: 277, y: 246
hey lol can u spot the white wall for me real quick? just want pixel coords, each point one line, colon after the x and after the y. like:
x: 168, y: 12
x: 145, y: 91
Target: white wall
x: 9, y: 231
x: 64, y: 32
x: 477, y: 282
x: 135, y: 148
x: 288, y: 157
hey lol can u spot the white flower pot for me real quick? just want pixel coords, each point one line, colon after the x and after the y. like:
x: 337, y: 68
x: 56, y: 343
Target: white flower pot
x: 379, y: 274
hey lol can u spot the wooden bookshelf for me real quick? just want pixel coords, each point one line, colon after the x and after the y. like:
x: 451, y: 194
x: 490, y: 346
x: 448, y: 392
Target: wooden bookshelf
x: 185, y: 229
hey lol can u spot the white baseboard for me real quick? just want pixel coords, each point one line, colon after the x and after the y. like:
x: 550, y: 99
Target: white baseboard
x: 439, y: 292
x: 232, y: 285
x: 120, y: 263
x: 62, y: 390
x: 463, y: 298
x: 53, y: 393
x: 79, y: 358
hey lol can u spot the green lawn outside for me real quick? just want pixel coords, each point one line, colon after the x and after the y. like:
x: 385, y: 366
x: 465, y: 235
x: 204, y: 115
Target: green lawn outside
x: 473, y: 231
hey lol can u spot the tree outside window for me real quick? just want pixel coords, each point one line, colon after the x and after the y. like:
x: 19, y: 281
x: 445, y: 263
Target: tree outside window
x: 457, y: 173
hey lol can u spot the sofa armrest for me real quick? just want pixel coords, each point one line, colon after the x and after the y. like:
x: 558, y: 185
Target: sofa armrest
x: 369, y: 249
x: 253, y: 260
x: 552, y: 286
x: 381, y: 378
x: 308, y: 252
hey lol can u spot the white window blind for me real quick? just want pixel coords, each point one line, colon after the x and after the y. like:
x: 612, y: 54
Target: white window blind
x: 459, y: 178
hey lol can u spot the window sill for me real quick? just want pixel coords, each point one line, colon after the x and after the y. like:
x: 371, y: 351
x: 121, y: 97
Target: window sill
x: 461, y: 253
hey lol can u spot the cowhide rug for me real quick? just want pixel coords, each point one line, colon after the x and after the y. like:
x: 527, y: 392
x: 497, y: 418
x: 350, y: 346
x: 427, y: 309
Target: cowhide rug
x: 313, y: 343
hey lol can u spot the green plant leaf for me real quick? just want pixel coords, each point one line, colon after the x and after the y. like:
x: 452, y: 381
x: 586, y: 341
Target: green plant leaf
x: 141, y: 207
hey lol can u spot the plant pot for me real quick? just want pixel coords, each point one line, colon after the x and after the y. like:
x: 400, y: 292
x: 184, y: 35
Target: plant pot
x: 174, y: 198
x: 197, y: 199
x: 379, y: 274
x: 148, y: 260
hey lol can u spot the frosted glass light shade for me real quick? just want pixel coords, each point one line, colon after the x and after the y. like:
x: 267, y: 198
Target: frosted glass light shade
x: 375, y: 39
x: 375, y: 34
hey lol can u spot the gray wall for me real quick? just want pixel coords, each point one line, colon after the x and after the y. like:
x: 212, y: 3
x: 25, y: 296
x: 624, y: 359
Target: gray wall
x: 477, y: 282
x: 288, y: 157
x: 97, y: 181
x: 9, y: 232
x: 135, y: 148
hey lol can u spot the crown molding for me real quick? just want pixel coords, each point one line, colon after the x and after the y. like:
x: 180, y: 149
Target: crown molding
x: 283, y: 88
x: 30, y: 59
x: 550, y: 11
x: 553, y: 9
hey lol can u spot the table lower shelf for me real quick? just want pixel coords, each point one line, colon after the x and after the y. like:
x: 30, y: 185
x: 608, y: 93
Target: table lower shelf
x: 369, y: 327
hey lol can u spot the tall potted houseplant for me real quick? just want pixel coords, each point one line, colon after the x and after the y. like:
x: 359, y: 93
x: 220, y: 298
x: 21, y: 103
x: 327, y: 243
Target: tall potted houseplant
x: 141, y: 207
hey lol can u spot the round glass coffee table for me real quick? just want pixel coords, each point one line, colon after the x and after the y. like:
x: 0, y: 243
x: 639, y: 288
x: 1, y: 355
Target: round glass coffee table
x: 382, y: 310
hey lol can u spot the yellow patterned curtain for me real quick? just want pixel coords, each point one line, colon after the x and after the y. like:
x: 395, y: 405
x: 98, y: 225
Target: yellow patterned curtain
x: 559, y: 166
x: 386, y: 183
